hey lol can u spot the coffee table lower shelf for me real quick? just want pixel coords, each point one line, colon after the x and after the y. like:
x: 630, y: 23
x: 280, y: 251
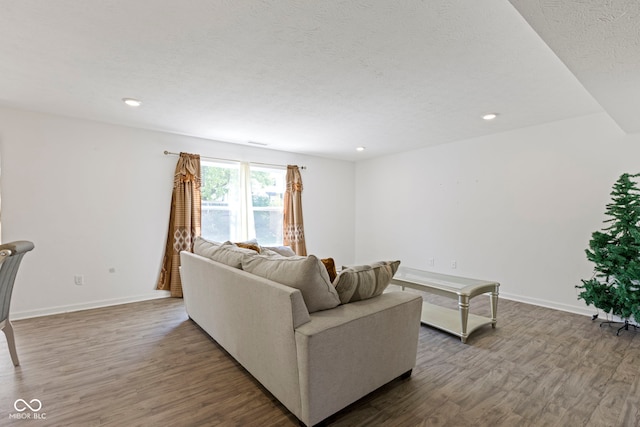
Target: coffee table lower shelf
x: 458, y: 322
x: 448, y: 320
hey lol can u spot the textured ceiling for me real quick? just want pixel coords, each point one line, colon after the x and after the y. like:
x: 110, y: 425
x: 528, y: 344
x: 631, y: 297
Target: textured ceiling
x: 599, y: 41
x: 323, y: 77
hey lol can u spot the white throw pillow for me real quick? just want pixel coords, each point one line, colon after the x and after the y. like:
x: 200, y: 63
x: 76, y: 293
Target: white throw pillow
x: 364, y: 281
x: 305, y: 273
x: 281, y: 250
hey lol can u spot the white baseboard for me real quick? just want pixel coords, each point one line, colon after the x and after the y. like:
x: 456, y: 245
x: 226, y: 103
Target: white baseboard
x: 17, y: 315
x: 585, y: 311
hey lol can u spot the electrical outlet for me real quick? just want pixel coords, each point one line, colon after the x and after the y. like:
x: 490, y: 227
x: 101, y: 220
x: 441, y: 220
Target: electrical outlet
x: 78, y: 280
x: 112, y: 270
x: 454, y: 264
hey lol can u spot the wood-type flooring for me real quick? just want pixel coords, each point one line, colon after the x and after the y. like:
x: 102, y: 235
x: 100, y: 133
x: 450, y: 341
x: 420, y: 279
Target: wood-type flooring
x: 147, y: 364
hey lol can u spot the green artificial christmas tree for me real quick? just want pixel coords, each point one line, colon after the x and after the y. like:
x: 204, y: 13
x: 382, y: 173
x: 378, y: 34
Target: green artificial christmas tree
x: 615, y: 251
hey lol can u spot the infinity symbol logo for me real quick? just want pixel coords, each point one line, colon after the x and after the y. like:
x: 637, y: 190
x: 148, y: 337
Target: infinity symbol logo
x: 24, y: 405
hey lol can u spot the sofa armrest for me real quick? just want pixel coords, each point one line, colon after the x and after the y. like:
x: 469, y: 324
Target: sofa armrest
x: 349, y: 351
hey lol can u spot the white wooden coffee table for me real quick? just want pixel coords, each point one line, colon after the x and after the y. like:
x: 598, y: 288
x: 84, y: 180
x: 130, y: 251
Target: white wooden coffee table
x: 457, y: 322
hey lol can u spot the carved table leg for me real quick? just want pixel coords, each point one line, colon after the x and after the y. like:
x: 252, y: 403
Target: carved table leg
x: 463, y: 307
x: 494, y: 307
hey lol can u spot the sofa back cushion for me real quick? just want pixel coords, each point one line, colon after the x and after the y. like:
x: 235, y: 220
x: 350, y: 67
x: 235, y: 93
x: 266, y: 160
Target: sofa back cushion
x: 204, y: 247
x: 231, y: 255
x: 305, y: 273
x: 364, y: 281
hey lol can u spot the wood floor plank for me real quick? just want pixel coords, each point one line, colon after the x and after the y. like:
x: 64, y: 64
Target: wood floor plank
x: 147, y: 364
x: 630, y: 412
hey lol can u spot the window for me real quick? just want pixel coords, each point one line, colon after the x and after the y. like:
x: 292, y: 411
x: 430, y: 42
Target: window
x: 242, y: 202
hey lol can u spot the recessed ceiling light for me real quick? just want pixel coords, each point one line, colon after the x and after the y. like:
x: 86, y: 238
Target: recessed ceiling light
x: 360, y: 149
x: 132, y: 102
x: 490, y: 116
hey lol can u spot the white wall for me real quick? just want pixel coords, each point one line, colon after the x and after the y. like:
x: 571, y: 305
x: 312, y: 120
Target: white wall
x: 517, y: 207
x: 95, y: 196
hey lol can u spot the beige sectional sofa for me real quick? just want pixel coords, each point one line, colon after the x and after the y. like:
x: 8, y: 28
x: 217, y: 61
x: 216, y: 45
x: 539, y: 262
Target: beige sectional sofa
x: 315, y: 363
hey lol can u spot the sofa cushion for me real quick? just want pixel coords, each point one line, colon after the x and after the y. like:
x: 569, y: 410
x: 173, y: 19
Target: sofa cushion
x: 304, y: 273
x: 269, y: 253
x: 364, y: 281
x: 204, y: 247
x: 231, y: 255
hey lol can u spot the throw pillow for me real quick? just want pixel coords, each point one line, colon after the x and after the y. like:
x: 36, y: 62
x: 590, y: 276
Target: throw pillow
x: 330, y: 265
x: 282, y: 250
x: 304, y: 273
x: 364, y: 281
x: 204, y: 247
x: 246, y: 245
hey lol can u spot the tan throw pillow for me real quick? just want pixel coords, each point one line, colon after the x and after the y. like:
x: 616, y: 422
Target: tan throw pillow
x: 204, y: 247
x: 364, y: 281
x: 304, y: 273
x: 330, y: 265
x: 245, y: 245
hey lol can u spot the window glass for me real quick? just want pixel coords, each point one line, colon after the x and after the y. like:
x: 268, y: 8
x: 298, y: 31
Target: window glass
x: 267, y: 197
x: 234, y: 211
x: 220, y: 200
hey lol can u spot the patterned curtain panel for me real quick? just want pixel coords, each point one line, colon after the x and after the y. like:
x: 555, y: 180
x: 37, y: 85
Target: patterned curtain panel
x: 293, y: 225
x: 184, y: 222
